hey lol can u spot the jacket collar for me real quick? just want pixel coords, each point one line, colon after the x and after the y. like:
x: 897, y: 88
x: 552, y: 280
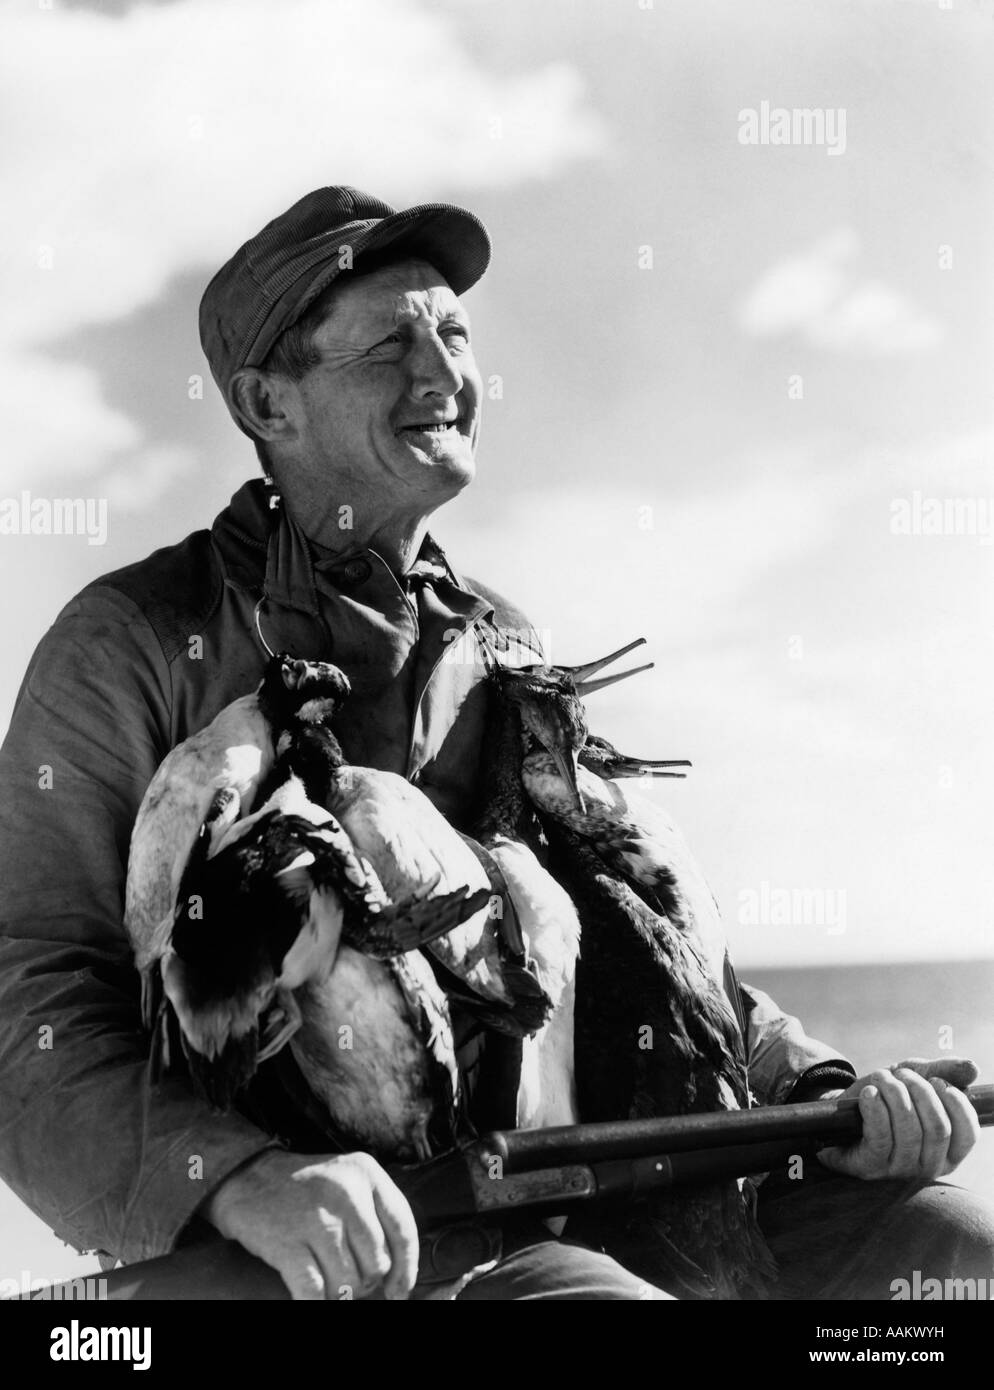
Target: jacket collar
x: 266, y: 551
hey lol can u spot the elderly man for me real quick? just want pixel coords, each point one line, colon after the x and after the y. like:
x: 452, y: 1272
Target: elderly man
x: 339, y: 341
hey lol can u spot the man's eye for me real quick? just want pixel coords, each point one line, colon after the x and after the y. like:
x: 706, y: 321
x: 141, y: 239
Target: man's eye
x: 455, y: 335
x: 385, y: 344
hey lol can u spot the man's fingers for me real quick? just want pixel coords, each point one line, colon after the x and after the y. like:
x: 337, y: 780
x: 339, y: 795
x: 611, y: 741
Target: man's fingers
x: 366, y: 1241
x: 321, y: 1224
x: 877, y: 1143
x: 936, y: 1126
x: 964, y: 1124
x: 305, y: 1280
x: 330, y: 1250
x: 870, y: 1156
x: 905, y: 1126
x: 915, y: 1123
x: 401, y: 1233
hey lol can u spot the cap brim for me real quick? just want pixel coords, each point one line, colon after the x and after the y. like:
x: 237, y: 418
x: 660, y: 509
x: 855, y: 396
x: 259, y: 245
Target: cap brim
x: 451, y: 239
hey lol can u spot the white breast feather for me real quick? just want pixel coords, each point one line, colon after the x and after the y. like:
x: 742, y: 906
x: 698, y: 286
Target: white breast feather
x: 551, y: 929
x: 373, y: 1077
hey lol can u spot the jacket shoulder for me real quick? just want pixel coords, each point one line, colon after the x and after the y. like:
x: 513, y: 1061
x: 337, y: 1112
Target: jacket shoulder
x: 177, y: 588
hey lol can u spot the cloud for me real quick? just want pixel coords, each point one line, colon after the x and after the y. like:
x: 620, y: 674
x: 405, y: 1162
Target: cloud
x: 688, y: 567
x: 153, y: 142
x: 146, y: 476
x: 821, y: 296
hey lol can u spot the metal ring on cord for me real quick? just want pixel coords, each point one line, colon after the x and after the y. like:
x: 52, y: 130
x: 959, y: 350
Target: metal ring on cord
x: 258, y: 627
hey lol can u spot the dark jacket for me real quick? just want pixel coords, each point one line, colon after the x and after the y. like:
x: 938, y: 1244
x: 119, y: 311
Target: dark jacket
x: 137, y: 662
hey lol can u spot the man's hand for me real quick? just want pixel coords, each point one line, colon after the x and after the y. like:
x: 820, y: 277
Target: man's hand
x: 333, y: 1227
x: 916, y: 1123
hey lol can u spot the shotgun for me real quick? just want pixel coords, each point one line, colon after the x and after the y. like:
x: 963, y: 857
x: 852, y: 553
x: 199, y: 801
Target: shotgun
x: 545, y: 1171
x: 549, y: 1170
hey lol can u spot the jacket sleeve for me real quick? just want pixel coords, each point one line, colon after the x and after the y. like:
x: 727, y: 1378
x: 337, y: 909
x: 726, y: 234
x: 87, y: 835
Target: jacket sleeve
x: 105, y: 1159
x: 781, y: 1055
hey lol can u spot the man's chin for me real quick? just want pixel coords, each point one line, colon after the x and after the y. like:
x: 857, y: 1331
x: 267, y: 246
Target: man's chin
x: 450, y: 468
x: 449, y: 478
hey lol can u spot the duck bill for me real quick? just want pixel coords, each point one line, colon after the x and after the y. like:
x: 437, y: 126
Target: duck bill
x: 588, y: 687
x: 567, y: 765
x: 582, y: 673
x: 623, y: 766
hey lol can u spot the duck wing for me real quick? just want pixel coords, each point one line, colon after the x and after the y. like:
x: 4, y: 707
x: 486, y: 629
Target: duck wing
x: 371, y: 922
x: 411, y: 844
x: 415, y: 922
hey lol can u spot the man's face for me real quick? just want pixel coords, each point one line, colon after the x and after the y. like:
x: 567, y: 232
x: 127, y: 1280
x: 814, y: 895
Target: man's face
x: 395, y: 398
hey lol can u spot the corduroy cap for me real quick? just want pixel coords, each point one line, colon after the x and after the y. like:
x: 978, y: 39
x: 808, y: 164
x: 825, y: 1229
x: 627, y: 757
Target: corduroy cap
x: 275, y: 277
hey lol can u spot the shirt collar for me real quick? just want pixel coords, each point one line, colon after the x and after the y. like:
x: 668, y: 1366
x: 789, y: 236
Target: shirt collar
x: 263, y: 547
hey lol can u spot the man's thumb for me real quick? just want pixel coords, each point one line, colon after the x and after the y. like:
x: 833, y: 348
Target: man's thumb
x: 957, y: 1071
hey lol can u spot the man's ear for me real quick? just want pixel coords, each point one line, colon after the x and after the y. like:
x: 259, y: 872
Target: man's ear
x: 258, y: 400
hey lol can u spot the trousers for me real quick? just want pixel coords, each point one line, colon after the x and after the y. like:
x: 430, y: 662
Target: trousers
x: 834, y: 1238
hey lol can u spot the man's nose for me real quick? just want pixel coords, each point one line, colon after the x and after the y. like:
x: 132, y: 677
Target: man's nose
x: 433, y: 369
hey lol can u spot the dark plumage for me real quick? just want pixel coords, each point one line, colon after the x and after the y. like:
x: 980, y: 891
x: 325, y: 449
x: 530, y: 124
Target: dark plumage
x: 654, y: 1034
x: 644, y: 1050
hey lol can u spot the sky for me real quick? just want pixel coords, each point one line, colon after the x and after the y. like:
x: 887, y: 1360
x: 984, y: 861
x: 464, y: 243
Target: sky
x: 724, y: 369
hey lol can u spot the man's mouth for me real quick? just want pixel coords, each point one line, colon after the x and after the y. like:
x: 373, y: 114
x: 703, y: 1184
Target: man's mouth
x: 432, y: 427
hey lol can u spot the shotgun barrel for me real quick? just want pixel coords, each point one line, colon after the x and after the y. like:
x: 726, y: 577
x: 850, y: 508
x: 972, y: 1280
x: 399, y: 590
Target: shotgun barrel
x: 550, y: 1170
x: 833, y: 1121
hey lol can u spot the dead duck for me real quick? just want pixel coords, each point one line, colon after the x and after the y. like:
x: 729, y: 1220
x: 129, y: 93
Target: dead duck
x: 282, y: 933
x: 641, y: 840
x: 643, y: 974
x: 545, y: 930
x: 266, y: 907
x: 236, y: 751
x: 655, y: 1035
x: 409, y: 842
x: 577, y: 777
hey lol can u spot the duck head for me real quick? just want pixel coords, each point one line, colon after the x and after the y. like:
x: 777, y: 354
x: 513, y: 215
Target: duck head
x: 552, y: 717
x: 295, y: 690
x: 603, y: 758
x: 548, y: 700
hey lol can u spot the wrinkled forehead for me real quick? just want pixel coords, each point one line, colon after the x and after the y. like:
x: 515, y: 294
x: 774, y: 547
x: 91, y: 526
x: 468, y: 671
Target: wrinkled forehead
x: 408, y: 291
